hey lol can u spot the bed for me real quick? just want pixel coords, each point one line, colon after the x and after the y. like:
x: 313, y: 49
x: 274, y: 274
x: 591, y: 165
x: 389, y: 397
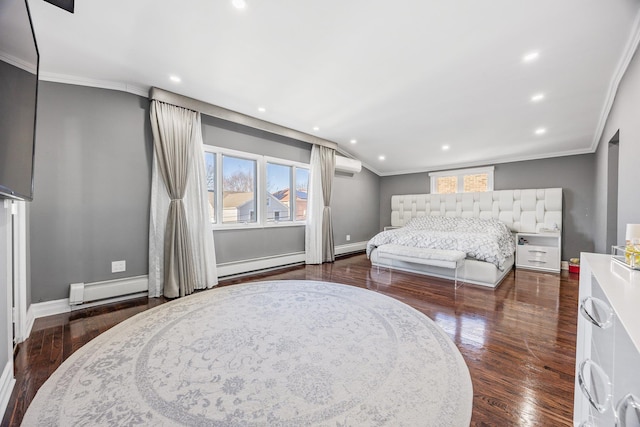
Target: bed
x: 482, y: 225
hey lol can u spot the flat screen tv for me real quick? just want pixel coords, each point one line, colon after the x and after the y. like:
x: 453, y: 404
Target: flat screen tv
x: 19, y: 62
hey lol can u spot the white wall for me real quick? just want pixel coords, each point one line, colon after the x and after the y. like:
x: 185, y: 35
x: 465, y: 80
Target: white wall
x: 6, y: 336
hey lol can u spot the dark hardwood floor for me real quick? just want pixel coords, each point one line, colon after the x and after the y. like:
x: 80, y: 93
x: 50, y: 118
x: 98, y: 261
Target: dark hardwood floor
x: 518, y: 340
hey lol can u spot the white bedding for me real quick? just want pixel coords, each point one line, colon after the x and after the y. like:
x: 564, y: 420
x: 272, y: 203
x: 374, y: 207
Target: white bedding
x: 486, y: 240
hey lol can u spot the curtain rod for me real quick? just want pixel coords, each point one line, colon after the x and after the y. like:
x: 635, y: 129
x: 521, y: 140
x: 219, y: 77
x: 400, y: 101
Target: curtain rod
x: 235, y: 117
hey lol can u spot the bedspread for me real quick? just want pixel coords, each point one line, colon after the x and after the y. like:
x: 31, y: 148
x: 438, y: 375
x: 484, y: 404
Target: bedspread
x: 482, y: 239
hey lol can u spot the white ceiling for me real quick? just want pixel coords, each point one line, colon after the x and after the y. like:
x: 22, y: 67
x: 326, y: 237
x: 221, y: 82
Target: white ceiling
x: 403, y: 78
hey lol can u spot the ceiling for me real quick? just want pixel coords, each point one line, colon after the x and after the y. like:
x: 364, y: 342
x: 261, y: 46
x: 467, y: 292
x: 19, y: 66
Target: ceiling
x: 402, y: 78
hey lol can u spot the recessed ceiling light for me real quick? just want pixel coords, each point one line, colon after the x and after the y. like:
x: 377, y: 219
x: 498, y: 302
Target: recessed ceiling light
x: 262, y: 109
x: 353, y: 141
x: 537, y: 97
x: 445, y: 147
x: 531, y: 56
x: 239, y: 4
x: 175, y: 79
x: 381, y: 157
x: 541, y: 131
x: 316, y: 128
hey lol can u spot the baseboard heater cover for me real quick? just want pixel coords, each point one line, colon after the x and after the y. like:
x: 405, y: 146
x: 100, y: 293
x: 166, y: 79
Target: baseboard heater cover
x: 80, y: 293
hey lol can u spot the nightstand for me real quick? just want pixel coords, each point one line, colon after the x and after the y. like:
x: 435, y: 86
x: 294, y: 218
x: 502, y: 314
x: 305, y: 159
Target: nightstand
x: 538, y: 251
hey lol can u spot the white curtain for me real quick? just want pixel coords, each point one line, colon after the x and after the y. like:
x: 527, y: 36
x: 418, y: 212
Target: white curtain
x: 319, y: 246
x: 195, y: 249
x: 315, y: 207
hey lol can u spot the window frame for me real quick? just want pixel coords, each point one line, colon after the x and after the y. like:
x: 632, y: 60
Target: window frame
x: 220, y: 182
x: 260, y: 187
x: 460, y: 174
x: 292, y: 189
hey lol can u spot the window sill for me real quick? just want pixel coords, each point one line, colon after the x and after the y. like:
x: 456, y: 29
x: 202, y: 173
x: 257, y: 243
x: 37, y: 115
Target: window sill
x: 254, y: 226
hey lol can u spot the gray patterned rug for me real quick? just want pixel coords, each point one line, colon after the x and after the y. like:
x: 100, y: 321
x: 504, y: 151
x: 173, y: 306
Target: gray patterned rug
x: 279, y: 353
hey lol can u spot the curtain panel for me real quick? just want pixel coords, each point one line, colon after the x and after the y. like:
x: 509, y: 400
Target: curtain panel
x: 319, y: 244
x: 181, y: 251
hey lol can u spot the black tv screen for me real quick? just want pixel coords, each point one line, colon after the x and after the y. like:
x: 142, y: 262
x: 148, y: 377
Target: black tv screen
x: 19, y: 61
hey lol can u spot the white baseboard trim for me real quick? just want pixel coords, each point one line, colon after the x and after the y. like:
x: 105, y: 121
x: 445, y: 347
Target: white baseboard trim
x: 7, y: 381
x: 60, y: 306
x: 109, y: 300
x: 49, y: 308
x: 256, y: 264
x: 246, y: 266
x: 350, y: 247
x: 29, y: 323
x: 83, y: 294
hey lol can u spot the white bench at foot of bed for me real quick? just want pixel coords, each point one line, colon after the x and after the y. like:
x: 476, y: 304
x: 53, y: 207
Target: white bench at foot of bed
x: 431, y: 257
x: 471, y: 271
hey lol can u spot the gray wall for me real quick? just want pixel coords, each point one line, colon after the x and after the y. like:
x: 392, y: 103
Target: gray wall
x: 354, y: 199
x: 625, y: 118
x: 355, y: 202
x: 237, y: 245
x: 573, y: 173
x: 414, y: 183
x: 354, y: 209
x: 221, y: 133
x: 91, y: 188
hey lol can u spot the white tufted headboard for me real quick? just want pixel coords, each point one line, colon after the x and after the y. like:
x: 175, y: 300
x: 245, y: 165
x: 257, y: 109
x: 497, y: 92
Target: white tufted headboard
x: 521, y: 210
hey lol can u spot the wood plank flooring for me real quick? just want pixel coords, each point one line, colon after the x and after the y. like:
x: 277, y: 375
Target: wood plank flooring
x: 518, y: 340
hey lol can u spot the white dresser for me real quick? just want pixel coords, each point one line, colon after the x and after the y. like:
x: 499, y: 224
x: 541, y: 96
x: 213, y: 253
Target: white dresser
x: 607, y: 388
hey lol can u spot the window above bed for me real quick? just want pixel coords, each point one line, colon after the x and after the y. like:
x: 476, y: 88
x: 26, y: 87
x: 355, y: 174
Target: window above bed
x: 462, y: 180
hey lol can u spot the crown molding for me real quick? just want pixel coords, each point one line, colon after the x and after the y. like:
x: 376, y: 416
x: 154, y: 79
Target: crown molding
x: 627, y: 55
x: 102, y: 84
x: 17, y: 62
x: 488, y: 162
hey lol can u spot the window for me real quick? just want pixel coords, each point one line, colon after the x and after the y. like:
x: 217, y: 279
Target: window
x: 286, y: 192
x: 302, y: 189
x: 210, y: 168
x: 238, y: 190
x: 462, y: 180
x: 245, y: 189
x: 279, y: 200
x: 446, y: 184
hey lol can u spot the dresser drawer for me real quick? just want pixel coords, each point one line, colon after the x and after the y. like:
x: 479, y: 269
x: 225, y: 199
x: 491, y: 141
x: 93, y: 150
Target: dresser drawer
x: 543, y: 257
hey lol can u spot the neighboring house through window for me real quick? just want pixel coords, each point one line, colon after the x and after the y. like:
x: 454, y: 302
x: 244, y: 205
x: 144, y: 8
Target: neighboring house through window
x: 251, y: 190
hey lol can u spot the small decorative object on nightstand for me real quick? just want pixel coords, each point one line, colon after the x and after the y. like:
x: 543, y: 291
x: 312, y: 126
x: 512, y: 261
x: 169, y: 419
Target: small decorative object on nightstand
x: 538, y: 251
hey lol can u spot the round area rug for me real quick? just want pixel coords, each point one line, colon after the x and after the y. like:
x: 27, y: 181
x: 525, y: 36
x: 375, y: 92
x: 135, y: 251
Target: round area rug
x: 278, y: 353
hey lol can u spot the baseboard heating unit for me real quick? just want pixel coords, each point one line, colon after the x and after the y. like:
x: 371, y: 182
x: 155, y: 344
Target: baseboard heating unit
x: 107, y: 291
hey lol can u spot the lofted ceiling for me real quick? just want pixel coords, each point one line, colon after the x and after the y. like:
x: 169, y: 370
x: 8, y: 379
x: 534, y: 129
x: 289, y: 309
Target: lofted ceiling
x: 402, y: 78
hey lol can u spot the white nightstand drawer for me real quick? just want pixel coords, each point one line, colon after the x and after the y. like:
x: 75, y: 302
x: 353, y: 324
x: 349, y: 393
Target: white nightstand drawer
x: 544, y: 257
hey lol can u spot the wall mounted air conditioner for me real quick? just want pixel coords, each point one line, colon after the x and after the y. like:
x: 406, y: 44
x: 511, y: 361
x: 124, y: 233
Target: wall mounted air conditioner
x: 347, y: 165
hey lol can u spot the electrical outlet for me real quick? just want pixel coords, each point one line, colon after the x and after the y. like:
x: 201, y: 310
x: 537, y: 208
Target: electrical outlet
x: 348, y: 237
x: 118, y: 266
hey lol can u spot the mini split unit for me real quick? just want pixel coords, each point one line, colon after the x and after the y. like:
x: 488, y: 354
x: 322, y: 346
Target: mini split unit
x: 347, y: 165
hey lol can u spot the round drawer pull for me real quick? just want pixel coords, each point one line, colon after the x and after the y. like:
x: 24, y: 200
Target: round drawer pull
x: 597, y: 312
x: 623, y: 414
x: 595, y: 385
